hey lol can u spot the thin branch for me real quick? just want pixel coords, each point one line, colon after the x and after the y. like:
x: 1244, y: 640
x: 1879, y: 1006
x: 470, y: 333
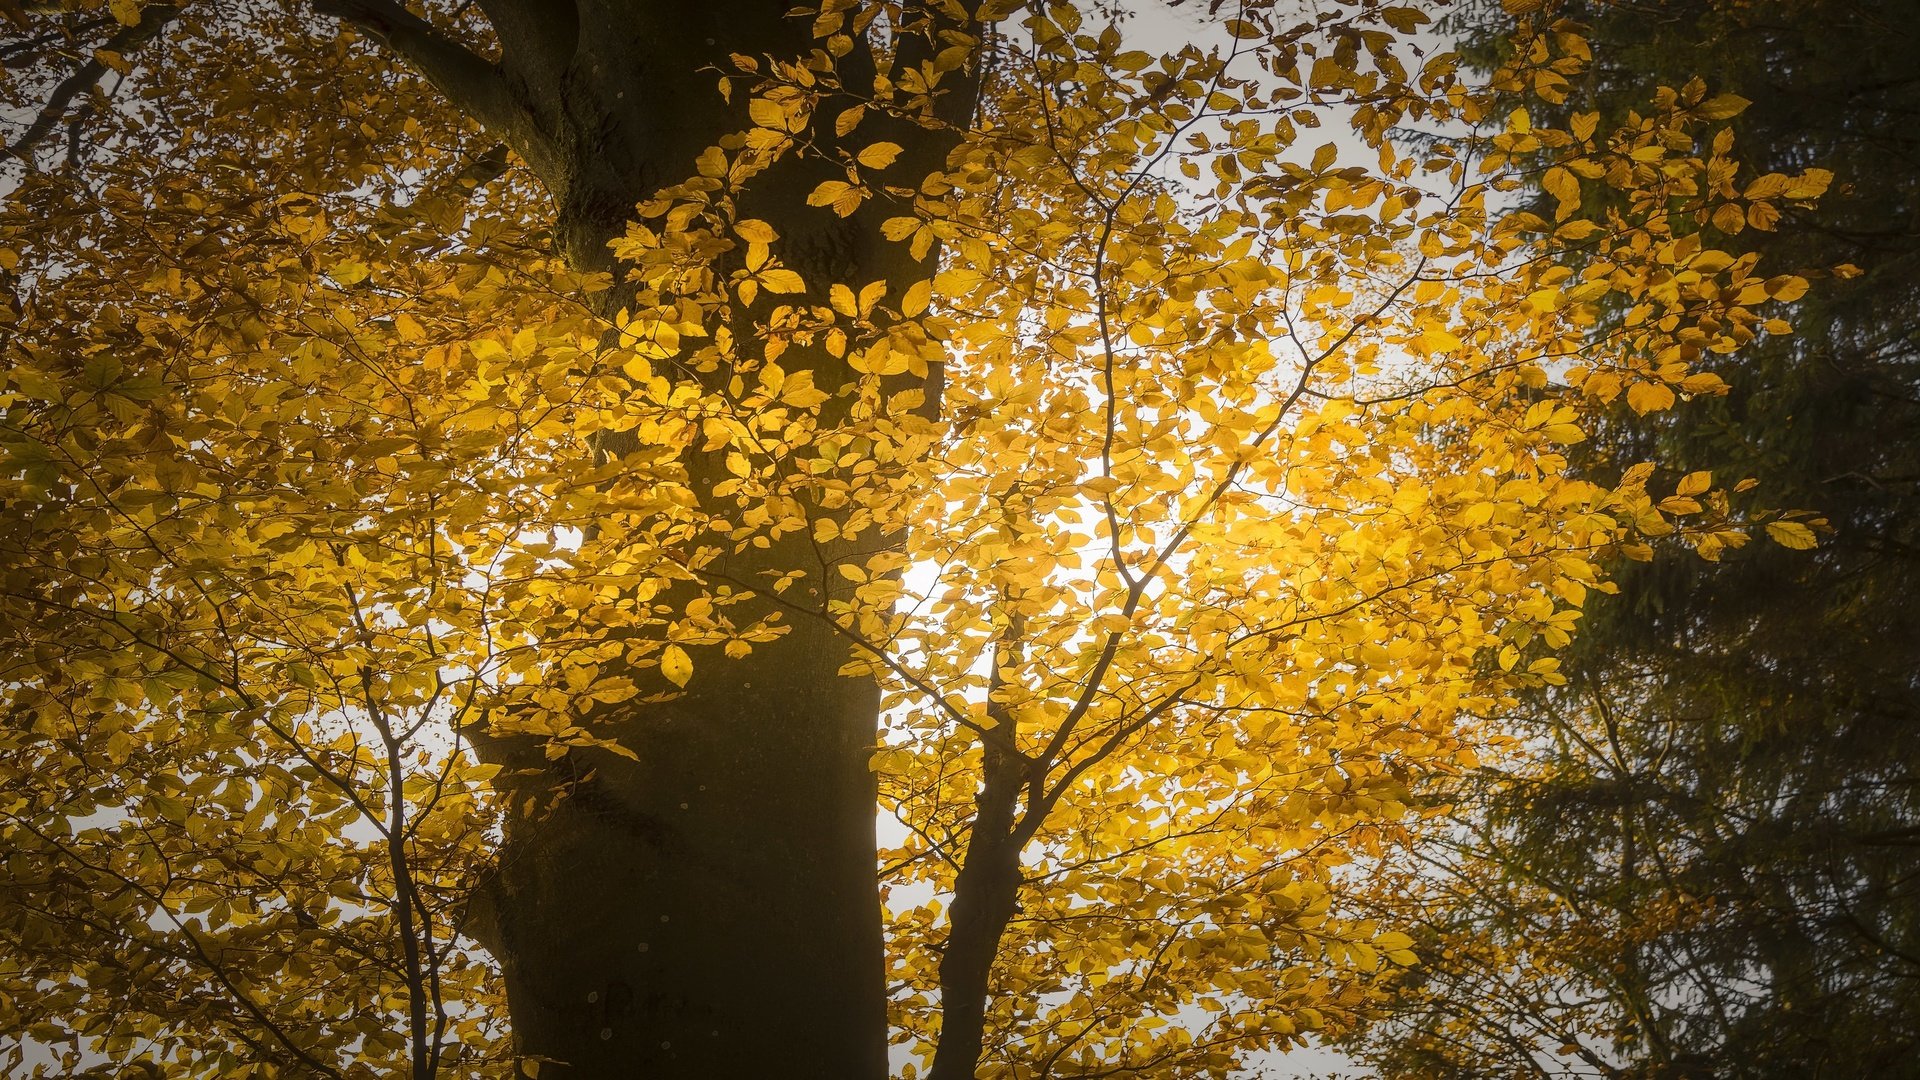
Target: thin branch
x: 240, y: 997
x: 153, y: 19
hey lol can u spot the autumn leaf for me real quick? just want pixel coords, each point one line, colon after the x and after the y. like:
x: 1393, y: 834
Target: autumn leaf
x: 1694, y: 483
x: 878, y: 155
x: 1646, y: 397
x: 1792, y: 534
x: 676, y: 665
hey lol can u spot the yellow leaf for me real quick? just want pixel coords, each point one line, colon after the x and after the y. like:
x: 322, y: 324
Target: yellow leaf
x: 878, y: 155
x: 1565, y: 187
x: 842, y: 196
x: 782, y: 281
x: 126, y: 12
x: 767, y: 114
x: 1722, y: 106
x: 676, y: 665
x: 755, y: 231
x: 349, y: 272
x: 1766, y: 187
x: 915, y: 301
x: 1792, y: 534
x: 1646, y: 397
x: 1704, y: 382
x: 1564, y: 434
x: 1694, y: 483
x: 879, y: 360
x: 1810, y: 184
x: 1787, y: 288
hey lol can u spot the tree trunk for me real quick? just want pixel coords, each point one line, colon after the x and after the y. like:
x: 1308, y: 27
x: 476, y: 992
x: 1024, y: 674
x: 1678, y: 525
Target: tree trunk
x: 712, y: 909
x: 986, y: 892
x: 985, y: 898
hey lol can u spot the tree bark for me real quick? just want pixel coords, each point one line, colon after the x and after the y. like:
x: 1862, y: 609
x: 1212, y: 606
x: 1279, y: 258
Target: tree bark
x: 985, y: 898
x: 712, y: 909
x: 986, y: 892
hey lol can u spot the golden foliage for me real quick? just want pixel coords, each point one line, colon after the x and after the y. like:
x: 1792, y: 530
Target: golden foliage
x: 1246, y: 491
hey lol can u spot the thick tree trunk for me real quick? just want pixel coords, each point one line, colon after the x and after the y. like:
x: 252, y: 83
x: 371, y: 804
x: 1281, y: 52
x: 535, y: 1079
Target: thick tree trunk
x: 710, y: 910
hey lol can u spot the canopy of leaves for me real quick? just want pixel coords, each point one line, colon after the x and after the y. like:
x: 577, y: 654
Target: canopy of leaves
x: 1247, y: 491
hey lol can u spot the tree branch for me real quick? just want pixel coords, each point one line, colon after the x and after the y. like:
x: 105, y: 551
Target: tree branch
x: 153, y: 19
x: 185, y: 929
x: 471, y: 83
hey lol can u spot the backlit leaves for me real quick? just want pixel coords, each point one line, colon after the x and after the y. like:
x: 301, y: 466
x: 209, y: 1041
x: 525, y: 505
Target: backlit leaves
x: 1218, y: 483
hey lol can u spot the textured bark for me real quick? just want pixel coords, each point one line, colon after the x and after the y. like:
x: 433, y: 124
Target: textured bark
x: 711, y: 910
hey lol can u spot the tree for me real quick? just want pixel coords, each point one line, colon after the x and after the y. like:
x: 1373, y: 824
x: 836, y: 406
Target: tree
x: 456, y: 575
x: 1707, y: 839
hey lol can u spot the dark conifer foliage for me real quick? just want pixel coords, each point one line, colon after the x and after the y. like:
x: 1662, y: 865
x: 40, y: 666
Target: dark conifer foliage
x: 1714, y: 842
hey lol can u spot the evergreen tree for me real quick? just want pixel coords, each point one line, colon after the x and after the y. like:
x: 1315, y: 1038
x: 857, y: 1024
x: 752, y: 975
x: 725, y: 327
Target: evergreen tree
x: 1711, y: 841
